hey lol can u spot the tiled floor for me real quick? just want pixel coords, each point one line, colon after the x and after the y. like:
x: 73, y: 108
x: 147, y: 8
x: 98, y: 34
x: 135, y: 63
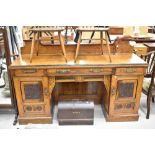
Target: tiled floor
x: 6, y: 120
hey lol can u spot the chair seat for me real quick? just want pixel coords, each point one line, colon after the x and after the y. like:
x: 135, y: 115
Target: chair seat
x: 146, y: 84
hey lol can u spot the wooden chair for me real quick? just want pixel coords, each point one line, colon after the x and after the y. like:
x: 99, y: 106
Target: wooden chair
x: 148, y: 83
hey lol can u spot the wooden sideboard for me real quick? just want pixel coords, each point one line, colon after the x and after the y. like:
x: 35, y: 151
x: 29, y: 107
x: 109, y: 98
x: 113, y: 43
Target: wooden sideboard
x: 39, y: 85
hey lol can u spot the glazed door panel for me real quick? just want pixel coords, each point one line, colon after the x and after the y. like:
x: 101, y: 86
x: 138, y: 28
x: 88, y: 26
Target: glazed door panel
x: 125, y: 94
x: 32, y: 95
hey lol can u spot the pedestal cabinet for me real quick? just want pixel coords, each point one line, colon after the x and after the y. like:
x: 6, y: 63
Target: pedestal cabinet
x: 33, y: 99
x: 125, y: 95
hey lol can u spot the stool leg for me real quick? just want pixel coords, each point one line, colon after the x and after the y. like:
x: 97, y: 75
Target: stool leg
x: 38, y: 42
x: 62, y: 45
x: 101, y: 38
x: 32, y: 46
x: 92, y: 35
x: 78, y: 46
x: 107, y: 41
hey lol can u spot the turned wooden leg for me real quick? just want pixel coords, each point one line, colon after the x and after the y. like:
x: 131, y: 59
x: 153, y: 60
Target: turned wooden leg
x: 148, y: 106
x: 101, y: 38
x: 78, y: 46
x: 38, y: 34
x: 62, y: 45
x: 108, y: 46
x: 32, y: 47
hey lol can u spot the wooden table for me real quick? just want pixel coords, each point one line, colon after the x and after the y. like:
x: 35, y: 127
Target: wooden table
x: 116, y: 85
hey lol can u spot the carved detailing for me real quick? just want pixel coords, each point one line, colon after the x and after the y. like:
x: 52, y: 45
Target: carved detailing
x: 33, y: 91
x: 34, y: 108
x: 37, y: 108
x: 46, y: 93
x: 51, y: 84
x: 118, y: 106
x: 28, y: 108
x: 113, y: 91
x: 124, y: 106
x: 125, y: 89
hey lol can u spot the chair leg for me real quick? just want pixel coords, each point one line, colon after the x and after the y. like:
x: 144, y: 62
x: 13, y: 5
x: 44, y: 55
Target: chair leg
x: 148, y: 106
x: 153, y: 99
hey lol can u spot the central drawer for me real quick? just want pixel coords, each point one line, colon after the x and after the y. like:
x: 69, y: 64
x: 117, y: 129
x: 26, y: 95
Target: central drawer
x: 79, y: 71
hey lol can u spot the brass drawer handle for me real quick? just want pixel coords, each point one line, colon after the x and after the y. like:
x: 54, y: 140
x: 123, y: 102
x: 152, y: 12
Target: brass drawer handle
x: 97, y: 70
x: 76, y: 112
x: 130, y: 70
x: 30, y: 71
x: 62, y: 71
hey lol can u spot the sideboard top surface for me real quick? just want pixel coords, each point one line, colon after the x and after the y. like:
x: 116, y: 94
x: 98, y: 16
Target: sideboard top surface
x: 54, y: 61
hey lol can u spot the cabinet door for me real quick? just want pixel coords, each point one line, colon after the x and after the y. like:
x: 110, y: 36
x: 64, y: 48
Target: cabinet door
x: 32, y: 95
x: 125, y: 94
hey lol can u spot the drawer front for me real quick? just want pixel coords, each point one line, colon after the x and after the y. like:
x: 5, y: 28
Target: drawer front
x: 77, y: 71
x: 131, y: 71
x: 29, y: 72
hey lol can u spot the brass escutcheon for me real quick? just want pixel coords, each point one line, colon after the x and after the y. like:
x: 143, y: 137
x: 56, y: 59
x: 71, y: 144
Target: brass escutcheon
x: 76, y: 112
x: 30, y: 71
x: 96, y: 70
x: 130, y: 70
x: 63, y: 71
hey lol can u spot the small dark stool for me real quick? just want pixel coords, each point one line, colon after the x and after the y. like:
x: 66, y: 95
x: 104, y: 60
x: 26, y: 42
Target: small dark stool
x: 76, y: 112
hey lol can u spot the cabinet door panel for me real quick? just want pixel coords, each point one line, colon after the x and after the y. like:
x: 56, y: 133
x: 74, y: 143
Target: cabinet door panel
x: 125, y: 94
x: 32, y: 95
x: 126, y: 89
x: 32, y: 91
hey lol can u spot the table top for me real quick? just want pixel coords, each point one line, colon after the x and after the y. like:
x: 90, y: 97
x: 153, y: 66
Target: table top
x: 93, y: 29
x: 55, y: 61
x: 47, y: 29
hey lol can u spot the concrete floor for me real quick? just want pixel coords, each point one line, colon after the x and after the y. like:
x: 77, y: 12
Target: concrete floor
x: 6, y: 120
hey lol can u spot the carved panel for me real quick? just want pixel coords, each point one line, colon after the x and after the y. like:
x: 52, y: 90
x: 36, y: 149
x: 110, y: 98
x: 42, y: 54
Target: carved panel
x: 124, y: 107
x: 125, y: 89
x: 34, y: 108
x: 33, y: 91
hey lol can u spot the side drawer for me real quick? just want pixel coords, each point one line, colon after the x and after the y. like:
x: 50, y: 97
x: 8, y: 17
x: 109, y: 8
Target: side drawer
x: 29, y: 72
x: 79, y: 71
x: 129, y: 70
